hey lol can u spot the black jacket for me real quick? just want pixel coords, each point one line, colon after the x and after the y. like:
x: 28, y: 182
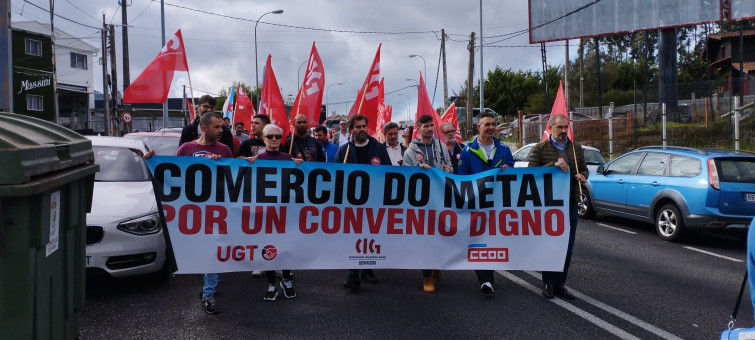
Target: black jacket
x: 376, y: 149
x: 190, y: 132
x: 307, y: 148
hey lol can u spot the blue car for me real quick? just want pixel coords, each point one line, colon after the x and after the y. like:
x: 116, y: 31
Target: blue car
x: 675, y: 188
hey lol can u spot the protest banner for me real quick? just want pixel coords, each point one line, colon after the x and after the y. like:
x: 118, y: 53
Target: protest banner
x: 229, y: 215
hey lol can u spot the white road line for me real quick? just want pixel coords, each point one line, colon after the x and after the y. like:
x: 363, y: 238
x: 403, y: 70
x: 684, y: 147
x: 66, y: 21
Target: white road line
x: 574, y: 309
x: 713, y: 254
x: 614, y: 228
x: 639, y: 323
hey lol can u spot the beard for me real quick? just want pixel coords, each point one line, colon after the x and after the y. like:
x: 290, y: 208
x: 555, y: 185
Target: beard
x: 361, y: 136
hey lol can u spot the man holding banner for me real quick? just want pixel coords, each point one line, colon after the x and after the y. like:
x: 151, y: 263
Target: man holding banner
x: 302, y: 145
x: 193, y: 130
x: 363, y: 149
x: 428, y: 152
x: 454, y: 147
x: 485, y: 153
x: 558, y: 150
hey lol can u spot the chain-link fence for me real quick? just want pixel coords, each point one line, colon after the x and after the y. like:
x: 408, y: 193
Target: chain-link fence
x: 704, y: 118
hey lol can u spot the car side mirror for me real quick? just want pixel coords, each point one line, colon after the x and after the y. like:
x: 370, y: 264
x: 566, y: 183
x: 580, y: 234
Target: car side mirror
x: 599, y: 170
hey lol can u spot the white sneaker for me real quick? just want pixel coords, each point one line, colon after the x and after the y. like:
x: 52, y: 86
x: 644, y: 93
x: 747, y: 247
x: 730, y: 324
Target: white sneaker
x: 487, y: 288
x: 271, y: 294
x: 257, y: 274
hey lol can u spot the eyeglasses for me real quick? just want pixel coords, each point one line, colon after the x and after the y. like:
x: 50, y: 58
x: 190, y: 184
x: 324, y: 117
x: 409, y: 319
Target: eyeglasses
x: 449, y: 131
x: 343, y: 124
x: 206, y: 106
x: 274, y: 137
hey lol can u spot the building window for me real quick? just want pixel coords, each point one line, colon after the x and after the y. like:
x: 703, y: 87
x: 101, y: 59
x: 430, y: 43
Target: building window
x: 78, y: 61
x: 33, y: 47
x: 34, y: 103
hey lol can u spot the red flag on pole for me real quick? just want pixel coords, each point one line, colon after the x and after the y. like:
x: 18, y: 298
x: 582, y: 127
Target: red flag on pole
x: 559, y: 106
x: 192, y: 113
x: 367, y: 100
x: 450, y: 116
x: 153, y: 84
x: 380, y: 121
x: 244, y: 109
x: 309, y: 99
x: 271, y: 102
x: 425, y: 107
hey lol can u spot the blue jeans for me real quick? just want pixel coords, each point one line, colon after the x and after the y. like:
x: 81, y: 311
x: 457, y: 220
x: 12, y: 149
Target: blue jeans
x: 751, y: 261
x: 558, y: 279
x: 210, y: 283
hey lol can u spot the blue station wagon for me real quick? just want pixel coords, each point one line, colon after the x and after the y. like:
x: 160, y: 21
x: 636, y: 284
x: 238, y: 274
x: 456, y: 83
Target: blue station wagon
x: 675, y: 188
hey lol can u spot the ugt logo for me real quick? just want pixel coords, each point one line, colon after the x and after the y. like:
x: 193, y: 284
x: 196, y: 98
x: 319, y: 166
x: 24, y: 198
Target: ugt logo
x: 365, y: 246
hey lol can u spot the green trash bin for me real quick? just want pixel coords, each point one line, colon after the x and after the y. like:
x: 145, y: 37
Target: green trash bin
x: 46, y: 181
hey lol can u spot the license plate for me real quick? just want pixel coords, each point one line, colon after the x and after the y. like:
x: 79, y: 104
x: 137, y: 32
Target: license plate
x: 750, y: 197
x: 90, y: 260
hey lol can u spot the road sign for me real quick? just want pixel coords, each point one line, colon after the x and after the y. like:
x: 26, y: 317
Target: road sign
x: 126, y: 117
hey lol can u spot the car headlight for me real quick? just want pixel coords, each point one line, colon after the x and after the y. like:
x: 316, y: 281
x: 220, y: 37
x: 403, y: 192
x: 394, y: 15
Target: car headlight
x: 145, y: 225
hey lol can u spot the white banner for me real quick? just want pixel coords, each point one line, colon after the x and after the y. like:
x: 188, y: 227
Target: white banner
x: 228, y: 215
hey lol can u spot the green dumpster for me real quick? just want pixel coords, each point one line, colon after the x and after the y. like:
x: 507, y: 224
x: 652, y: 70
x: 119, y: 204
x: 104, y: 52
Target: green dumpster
x: 46, y: 181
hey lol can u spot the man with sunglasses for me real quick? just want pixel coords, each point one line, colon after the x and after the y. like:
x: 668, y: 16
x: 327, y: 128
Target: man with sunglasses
x: 301, y: 145
x: 363, y: 149
x: 454, y: 148
x: 484, y: 153
x: 193, y: 131
x: 342, y: 136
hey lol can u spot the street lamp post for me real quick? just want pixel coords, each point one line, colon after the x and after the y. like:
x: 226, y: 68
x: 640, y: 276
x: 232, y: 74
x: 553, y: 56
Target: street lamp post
x: 256, y: 63
x: 299, y: 71
x: 408, y: 114
x: 423, y: 62
x: 327, y: 100
x: 406, y: 107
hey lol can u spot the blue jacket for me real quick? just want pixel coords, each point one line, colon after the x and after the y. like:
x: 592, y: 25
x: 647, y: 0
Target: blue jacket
x: 474, y: 160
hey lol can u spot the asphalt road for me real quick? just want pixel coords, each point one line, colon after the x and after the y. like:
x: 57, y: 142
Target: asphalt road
x: 629, y: 284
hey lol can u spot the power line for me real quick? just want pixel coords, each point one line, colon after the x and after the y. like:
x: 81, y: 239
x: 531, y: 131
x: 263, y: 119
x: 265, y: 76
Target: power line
x: 82, y: 11
x: 60, y: 16
x: 298, y: 27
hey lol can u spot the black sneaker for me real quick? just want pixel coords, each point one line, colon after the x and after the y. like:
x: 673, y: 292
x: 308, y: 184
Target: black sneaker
x: 271, y: 294
x: 352, y: 282
x: 288, y: 289
x: 209, y: 305
x: 487, y: 288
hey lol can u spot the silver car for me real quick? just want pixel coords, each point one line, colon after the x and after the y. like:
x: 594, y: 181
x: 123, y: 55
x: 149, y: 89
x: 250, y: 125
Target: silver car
x: 124, y: 234
x: 593, y: 158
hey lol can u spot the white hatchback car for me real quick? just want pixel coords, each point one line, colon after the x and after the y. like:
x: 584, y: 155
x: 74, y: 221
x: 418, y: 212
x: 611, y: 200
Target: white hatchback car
x: 124, y: 234
x: 593, y: 158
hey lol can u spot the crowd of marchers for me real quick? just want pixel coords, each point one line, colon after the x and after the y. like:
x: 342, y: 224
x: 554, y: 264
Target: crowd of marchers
x: 211, y: 136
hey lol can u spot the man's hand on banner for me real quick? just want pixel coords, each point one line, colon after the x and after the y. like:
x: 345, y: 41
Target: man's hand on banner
x: 298, y: 161
x: 561, y: 164
x: 251, y: 159
x: 504, y: 167
x: 447, y: 168
x: 149, y: 154
x: 425, y: 166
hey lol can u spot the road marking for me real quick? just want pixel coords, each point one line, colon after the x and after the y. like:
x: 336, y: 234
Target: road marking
x: 629, y: 318
x: 574, y: 309
x: 713, y: 254
x: 614, y: 228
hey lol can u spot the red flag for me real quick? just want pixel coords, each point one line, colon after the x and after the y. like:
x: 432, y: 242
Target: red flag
x: 380, y: 121
x: 353, y: 109
x: 367, y: 101
x: 559, y: 106
x: 153, y: 84
x: 192, y: 113
x: 271, y: 102
x: 310, y: 92
x: 450, y: 116
x: 244, y: 109
x: 425, y: 107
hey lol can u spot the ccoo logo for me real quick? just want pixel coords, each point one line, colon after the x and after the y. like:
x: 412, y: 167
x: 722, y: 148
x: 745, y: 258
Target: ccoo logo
x: 269, y: 252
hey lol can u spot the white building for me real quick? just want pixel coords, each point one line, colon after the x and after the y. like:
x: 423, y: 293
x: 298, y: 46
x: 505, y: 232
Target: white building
x: 74, y: 62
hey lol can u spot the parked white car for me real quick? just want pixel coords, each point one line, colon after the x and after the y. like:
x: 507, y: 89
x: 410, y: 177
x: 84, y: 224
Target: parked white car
x: 124, y: 234
x: 593, y: 158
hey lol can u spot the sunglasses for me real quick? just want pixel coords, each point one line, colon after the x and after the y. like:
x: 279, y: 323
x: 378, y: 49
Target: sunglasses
x: 274, y: 137
x: 449, y: 131
x: 343, y: 124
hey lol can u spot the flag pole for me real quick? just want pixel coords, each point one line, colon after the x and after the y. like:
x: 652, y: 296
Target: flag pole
x: 576, y: 165
x: 298, y: 105
x: 235, y: 105
x: 191, y: 90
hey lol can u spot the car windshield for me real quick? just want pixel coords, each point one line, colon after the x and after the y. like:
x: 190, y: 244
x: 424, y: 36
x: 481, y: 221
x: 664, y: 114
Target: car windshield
x: 119, y: 164
x: 736, y: 170
x: 163, y: 145
x: 593, y: 157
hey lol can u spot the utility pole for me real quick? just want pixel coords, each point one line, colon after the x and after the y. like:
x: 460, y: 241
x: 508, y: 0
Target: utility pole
x: 114, y: 81
x: 470, y: 87
x: 581, y: 70
x: 597, y: 66
x: 482, y: 71
x: 545, y: 72
x: 445, y: 76
x: 105, y: 78
x: 6, y: 69
x: 56, y: 117
x: 566, y: 75
x: 124, y: 38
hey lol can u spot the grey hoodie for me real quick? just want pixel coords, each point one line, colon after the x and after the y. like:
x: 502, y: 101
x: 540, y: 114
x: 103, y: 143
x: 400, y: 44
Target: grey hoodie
x: 415, y: 154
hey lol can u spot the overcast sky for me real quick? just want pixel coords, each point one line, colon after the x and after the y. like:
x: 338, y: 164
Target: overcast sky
x: 220, y: 50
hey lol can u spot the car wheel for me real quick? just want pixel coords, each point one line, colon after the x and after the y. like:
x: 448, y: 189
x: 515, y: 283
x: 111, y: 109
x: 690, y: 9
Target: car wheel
x: 668, y: 223
x: 584, y: 208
